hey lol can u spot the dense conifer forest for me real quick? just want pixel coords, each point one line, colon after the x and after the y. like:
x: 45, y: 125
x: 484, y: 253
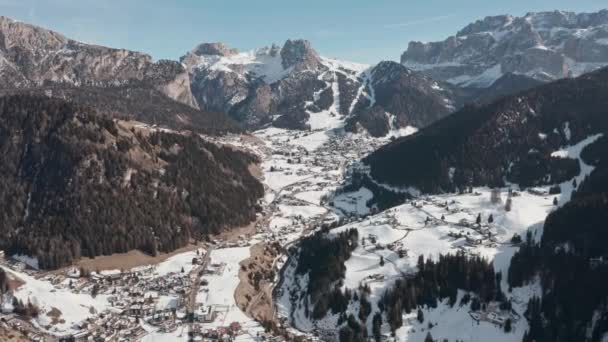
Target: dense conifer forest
x: 323, y: 259
x: 438, y: 280
x: 74, y: 183
x: 511, y: 139
x: 571, y: 262
x: 137, y: 101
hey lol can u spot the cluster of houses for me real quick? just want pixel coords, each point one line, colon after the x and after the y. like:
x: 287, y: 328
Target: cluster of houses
x: 222, y: 333
x: 109, y: 327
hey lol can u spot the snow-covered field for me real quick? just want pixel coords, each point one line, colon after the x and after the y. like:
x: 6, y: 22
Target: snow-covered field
x: 73, y: 307
x: 221, y: 288
x: 175, y: 264
x: 430, y: 226
x: 417, y: 228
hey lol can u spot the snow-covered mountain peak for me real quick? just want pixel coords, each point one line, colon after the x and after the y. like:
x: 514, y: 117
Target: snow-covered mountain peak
x: 543, y: 45
x: 290, y: 86
x: 299, y: 54
x: 215, y: 49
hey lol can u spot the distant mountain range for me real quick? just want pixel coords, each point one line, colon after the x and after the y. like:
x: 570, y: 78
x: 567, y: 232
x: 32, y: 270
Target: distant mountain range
x: 31, y: 56
x: 545, y: 46
x: 287, y: 85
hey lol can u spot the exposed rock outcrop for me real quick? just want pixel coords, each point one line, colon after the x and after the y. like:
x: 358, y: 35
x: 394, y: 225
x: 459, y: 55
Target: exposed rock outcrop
x: 545, y: 46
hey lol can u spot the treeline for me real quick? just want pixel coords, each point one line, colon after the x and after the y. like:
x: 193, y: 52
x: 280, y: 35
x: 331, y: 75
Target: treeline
x: 322, y: 257
x: 571, y: 262
x: 139, y: 101
x: 437, y: 280
x: 74, y: 184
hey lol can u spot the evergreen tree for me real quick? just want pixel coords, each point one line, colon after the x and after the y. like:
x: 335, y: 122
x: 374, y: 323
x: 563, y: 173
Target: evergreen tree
x: 491, y: 219
x: 420, y: 315
x: 507, y: 326
x: 478, y: 220
x: 95, y: 290
x: 475, y: 304
x: 376, y: 327
x: 509, y: 204
x: 516, y: 239
x: 3, y: 282
x: 429, y: 337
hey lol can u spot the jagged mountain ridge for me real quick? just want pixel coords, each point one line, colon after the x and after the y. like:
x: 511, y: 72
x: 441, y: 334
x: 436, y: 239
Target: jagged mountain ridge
x: 284, y: 86
x: 544, y: 45
x: 32, y: 56
x: 116, y: 82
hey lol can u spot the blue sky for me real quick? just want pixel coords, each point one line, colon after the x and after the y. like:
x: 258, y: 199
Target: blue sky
x: 361, y: 31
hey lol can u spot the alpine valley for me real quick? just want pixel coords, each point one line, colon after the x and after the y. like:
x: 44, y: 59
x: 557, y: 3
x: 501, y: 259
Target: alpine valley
x: 460, y: 194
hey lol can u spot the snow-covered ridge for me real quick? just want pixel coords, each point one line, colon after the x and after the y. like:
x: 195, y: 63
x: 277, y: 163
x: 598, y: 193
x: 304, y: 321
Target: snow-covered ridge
x: 260, y: 63
x: 544, y: 46
x: 267, y: 64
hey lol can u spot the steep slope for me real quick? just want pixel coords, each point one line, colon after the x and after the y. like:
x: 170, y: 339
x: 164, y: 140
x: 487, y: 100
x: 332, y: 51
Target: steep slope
x: 511, y: 140
x: 571, y: 261
x: 402, y: 98
x: 73, y: 183
x: 116, y: 82
x: 137, y: 101
x: 287, y: 86
x: 279, y: 85
x: 32, y: 56
x: 507, y: 84
x: 545, y: 46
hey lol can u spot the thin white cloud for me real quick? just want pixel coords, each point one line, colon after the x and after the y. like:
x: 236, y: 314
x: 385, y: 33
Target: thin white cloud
x: 418, y: 22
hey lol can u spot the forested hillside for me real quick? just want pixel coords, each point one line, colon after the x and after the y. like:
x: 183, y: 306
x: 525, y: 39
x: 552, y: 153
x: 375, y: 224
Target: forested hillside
x: 74, y: 183
x: 137, y: 101
x: 572, y: 262
x: 510, y: 140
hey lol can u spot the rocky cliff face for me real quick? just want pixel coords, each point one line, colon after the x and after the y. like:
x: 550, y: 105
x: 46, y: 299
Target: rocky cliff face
x: 545, y: 46
x: 253, y: 87
x: 289, y: 86
x: 31, y: 56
